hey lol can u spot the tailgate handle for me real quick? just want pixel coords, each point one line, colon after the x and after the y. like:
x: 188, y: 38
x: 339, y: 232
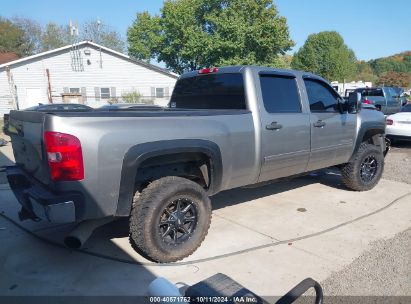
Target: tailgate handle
x: 274, y: 126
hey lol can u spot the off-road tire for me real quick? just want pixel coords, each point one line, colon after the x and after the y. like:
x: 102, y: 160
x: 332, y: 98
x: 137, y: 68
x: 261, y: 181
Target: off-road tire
x: 145, y: 234
x: 350, y: 171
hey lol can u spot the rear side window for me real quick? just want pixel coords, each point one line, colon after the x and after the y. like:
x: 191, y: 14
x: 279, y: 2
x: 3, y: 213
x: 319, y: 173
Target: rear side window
x: 322, y: 97
x: 212, y: 91
x: 280, y: 94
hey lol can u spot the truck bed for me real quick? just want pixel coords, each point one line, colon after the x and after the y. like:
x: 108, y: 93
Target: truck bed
x: 106, y: 137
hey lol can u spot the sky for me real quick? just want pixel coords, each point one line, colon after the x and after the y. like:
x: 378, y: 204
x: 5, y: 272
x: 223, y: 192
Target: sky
x: 372, y: 28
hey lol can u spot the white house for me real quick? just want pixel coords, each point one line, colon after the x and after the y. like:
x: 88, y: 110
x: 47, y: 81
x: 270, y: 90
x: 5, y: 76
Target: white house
x: 86, y: 73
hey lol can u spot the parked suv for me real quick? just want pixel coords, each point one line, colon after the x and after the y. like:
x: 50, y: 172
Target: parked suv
x: 386, y: 99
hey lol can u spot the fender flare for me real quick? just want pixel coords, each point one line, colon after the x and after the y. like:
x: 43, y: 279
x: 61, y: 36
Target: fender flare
x: 372, y: 128
x: 137, y: 154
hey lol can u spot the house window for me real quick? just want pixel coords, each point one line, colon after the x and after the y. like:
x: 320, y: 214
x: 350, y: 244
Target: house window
x: 74, y: 90
x: 159, y: 92
x: 105, y: 93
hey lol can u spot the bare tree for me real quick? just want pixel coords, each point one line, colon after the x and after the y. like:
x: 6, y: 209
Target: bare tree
x: 32, y: 33
x: 54, y: 36
x: 102, y: 34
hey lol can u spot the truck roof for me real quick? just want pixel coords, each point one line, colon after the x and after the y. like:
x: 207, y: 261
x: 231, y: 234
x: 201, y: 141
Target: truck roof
x: 241, y: 68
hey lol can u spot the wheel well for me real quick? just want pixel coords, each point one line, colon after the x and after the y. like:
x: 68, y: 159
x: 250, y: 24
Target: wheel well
x: 191, y: 165
x: 373, y: 137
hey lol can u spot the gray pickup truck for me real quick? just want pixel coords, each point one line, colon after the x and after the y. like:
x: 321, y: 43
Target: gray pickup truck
x: 224, y: 128
x: 385, y: 99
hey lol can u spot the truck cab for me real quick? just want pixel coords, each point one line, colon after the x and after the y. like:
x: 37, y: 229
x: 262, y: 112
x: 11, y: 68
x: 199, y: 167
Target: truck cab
x: 304, y: 111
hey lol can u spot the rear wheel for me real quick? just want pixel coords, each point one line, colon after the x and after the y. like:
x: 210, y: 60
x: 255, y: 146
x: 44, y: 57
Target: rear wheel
x: 169, y: 219
x: 365, y: 170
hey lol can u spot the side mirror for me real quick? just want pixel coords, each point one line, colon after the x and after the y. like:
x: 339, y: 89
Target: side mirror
x: 354, y: 102
x: 342, y: 105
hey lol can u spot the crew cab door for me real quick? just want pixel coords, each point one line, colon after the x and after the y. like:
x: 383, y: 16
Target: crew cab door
x: 285, y: 127
x: 332, y: 132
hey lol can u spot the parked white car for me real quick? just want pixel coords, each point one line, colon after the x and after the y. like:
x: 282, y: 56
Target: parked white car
x: 399, y: 124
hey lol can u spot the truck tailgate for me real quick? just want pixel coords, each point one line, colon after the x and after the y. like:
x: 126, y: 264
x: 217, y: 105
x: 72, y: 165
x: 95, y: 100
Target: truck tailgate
x: 26, y: 132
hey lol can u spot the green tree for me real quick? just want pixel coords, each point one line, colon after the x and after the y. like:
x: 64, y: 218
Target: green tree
x: 12, y: 38
x: 326, y: 54
x: 286, y: 61
x: 144, y: 37
x: 397, y: 63
x: 190, y: 34
x: 102, y: 34
x: 396, y: 79
x: 365, y: 72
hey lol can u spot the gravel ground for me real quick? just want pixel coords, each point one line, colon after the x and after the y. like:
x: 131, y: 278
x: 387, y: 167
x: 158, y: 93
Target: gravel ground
x: 384, y: 270
x: 398, y: 163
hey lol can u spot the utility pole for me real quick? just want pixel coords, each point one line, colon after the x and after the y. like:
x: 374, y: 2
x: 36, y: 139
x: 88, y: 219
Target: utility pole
x: 99, y: 40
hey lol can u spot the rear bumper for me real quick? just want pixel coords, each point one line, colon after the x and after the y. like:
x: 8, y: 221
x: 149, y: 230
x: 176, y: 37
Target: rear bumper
x: 41, y: 203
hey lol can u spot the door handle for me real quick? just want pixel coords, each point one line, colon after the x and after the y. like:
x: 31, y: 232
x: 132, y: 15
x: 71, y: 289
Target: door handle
x: 319, y: 124
x: 274, y: 126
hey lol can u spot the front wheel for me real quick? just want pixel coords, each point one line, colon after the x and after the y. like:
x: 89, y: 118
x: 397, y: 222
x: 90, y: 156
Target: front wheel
x: 365, y: 170
x: 169, y: 219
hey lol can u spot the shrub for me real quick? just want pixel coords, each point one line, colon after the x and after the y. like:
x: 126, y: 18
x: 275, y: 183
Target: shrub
x: 132, y: 97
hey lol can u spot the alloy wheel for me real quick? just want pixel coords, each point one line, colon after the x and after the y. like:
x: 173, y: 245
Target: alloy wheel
x: 368, y: 168
x: 178, y: 221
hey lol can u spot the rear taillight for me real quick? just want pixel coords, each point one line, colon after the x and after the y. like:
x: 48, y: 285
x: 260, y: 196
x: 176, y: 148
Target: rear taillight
x: 389, y: 122
x: 64, y: 156
x: 208, y: 71
x: 366, y: 101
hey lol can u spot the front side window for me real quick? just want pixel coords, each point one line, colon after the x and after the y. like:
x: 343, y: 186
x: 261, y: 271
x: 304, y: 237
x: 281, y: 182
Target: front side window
x: 105, y: 93
x: 280, y: 94
x: 322, y: 98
